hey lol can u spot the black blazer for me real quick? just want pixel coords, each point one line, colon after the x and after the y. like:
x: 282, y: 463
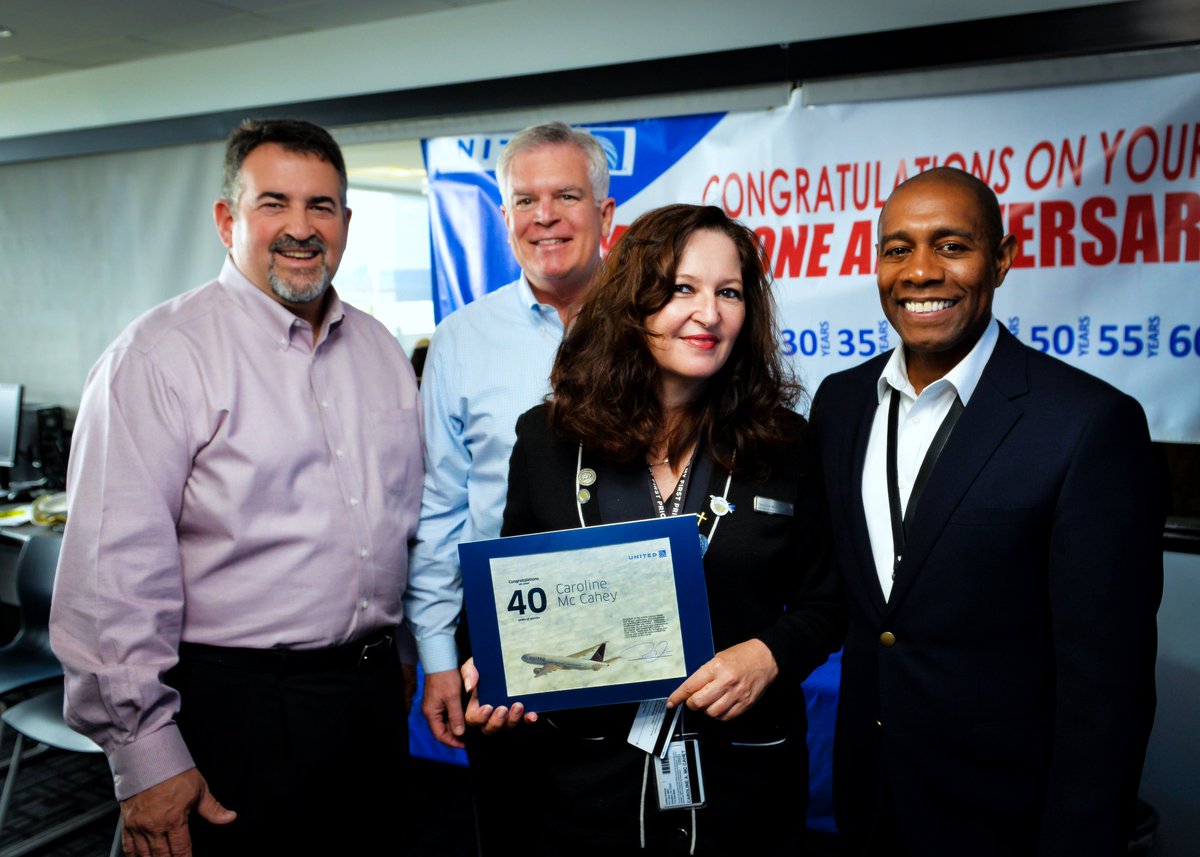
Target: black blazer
x: 1011, y: 713
x: 769, y: 577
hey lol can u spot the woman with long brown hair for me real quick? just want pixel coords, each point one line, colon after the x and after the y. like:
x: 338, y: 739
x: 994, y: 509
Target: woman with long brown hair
x: 670, y: 389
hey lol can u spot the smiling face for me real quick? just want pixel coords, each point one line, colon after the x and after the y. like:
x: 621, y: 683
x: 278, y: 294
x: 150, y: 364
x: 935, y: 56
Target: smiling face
x: 555, y: 223
x: 287, y: 229
x: 694, y: 333
x: 938, y: 270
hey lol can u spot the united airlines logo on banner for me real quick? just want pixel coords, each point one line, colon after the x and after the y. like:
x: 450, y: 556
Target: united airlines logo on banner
x: 619, y: 144
x: 1098, y: 184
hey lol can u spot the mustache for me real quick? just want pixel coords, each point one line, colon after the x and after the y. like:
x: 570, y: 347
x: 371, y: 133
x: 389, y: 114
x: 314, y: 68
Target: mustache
x: 287, y: 242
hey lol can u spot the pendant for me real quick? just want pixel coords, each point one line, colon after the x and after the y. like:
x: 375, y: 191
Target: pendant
x: 587, y: 476
x: 719, y: 505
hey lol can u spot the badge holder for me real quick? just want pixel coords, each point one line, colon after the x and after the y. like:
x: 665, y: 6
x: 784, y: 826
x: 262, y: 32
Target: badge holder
x: 678, y: 776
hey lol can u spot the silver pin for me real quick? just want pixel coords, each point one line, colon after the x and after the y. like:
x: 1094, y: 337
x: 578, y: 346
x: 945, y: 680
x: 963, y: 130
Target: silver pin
x: 719, y: 505
x: 587, y: 476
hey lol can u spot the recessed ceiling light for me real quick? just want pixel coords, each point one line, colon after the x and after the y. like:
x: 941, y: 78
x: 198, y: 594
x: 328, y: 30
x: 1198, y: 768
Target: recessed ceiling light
x: 5, y: 32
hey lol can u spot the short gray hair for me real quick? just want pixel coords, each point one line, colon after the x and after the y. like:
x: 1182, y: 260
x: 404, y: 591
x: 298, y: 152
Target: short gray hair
x: 553, y: 133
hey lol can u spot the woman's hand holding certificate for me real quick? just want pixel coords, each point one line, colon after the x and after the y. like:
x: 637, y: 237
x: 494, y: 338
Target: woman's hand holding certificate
x: 490, y: 720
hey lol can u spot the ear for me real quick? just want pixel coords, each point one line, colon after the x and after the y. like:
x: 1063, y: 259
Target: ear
x: 608, y: 207
x: 223, y: 216
x: 1005, y: 253
x: 507, y: 222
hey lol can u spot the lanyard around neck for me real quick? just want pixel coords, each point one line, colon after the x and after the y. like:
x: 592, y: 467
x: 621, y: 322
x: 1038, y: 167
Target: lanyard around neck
x: 676, y: 495
x: 900, y: 521
x: 719, y: 506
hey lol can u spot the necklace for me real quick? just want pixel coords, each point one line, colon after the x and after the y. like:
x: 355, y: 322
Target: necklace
x: 658, y: 463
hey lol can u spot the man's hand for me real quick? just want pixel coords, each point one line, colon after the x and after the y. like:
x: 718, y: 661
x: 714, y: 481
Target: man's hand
x: 730, y: 683
x: 155, y: 822
x: 442, y: 707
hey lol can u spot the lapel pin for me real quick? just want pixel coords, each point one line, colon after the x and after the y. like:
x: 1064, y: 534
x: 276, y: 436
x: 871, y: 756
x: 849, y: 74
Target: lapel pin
x: 584, y: 495
x: 587, y: 476
x: 719, y: 505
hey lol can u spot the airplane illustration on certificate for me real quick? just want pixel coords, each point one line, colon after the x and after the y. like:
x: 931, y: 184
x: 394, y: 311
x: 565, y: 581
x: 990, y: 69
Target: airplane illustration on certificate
x: 591, y: 658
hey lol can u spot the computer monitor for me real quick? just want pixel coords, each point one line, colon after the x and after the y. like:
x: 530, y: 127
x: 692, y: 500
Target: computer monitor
x: 10, y: 422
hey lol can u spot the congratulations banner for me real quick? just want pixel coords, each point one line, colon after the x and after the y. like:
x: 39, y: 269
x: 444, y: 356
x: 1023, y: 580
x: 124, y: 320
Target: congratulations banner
x: 1098, y: 185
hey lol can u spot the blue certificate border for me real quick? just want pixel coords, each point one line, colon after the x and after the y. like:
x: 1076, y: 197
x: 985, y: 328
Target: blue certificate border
x: 691, y: 596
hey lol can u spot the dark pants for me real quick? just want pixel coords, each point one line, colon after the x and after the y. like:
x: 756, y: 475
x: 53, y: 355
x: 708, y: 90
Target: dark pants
x: 313, y: 762
x: 589, y: 799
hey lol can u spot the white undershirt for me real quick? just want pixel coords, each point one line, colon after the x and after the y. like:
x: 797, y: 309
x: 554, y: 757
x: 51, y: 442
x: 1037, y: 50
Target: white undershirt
x: 920, y: 417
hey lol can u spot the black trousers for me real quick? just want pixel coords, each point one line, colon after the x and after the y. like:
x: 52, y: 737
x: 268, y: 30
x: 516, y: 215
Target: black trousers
x: 588, y: 794
x: 312, y: 762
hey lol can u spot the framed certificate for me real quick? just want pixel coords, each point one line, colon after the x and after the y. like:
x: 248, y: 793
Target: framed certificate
x: 592, y: 616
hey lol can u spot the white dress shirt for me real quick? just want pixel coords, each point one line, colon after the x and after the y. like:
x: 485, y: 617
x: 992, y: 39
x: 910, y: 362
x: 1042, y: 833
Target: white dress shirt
x: 920, y: 417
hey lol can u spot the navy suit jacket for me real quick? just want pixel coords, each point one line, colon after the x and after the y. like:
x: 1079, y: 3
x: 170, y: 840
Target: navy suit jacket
x: 1010, y: 714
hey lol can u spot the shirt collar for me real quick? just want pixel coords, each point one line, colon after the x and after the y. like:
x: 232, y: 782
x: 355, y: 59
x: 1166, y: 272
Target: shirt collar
x: 964, y: 377
x: 542, y: 311
x: 270, y: 315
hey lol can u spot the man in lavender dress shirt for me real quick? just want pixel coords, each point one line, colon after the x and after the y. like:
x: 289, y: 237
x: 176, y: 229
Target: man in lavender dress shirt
x: 245, y: 478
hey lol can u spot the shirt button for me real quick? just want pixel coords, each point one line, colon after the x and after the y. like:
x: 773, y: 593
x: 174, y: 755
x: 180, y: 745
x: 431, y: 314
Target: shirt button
x: 902, y: 483
x: 339, y: 453
x: 364, y: 604
x: 353, y: 502
x: 916, y: 421
x: 888, y: 639
x: 325, y: 404
x: 283, y: 343
x: 364, y: 553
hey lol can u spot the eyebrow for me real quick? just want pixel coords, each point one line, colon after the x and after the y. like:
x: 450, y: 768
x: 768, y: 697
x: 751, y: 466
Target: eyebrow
x: 283, y: 197
x: 944, y: 232
x: 516, y: 191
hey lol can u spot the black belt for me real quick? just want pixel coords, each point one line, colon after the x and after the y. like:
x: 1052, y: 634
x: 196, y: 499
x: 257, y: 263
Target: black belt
x: 366, y: 653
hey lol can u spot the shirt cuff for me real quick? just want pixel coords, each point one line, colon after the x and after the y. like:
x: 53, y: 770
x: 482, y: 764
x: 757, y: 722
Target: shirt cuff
x: 148, y: 761
x: 438, y: 653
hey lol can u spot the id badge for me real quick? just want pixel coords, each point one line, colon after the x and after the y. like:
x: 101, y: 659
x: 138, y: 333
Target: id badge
x: 677, y: 775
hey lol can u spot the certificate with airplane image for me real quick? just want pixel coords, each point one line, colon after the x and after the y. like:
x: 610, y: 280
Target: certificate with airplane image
x: 593, y: 616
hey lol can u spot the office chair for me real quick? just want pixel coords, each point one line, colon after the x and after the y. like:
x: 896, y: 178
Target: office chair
x: 27, y: 660
x: 40, y: 719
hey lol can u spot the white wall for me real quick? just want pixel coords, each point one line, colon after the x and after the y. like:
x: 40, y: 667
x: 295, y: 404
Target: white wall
x: 514, y: 37
x: 90, y: 243
x: 1169, y: 781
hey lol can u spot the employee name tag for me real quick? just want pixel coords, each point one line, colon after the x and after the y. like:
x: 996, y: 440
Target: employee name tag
x: 677, y: 775
x: 773, y: 507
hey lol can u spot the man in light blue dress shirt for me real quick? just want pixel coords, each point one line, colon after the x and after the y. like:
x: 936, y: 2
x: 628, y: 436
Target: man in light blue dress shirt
x: 487, y: 364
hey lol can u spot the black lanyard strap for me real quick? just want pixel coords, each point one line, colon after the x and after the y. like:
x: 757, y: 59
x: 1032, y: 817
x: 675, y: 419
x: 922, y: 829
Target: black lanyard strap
x: 676, y: 497
x: 899, y: 521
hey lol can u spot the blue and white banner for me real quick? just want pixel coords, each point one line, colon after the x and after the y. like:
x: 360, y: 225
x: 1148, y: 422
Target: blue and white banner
x: 1098, y: 183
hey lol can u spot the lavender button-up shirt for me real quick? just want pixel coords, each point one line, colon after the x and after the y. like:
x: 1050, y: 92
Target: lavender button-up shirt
x: 230, y: 483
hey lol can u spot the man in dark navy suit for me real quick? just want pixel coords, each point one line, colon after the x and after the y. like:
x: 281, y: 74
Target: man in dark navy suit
x: 998, y: 520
